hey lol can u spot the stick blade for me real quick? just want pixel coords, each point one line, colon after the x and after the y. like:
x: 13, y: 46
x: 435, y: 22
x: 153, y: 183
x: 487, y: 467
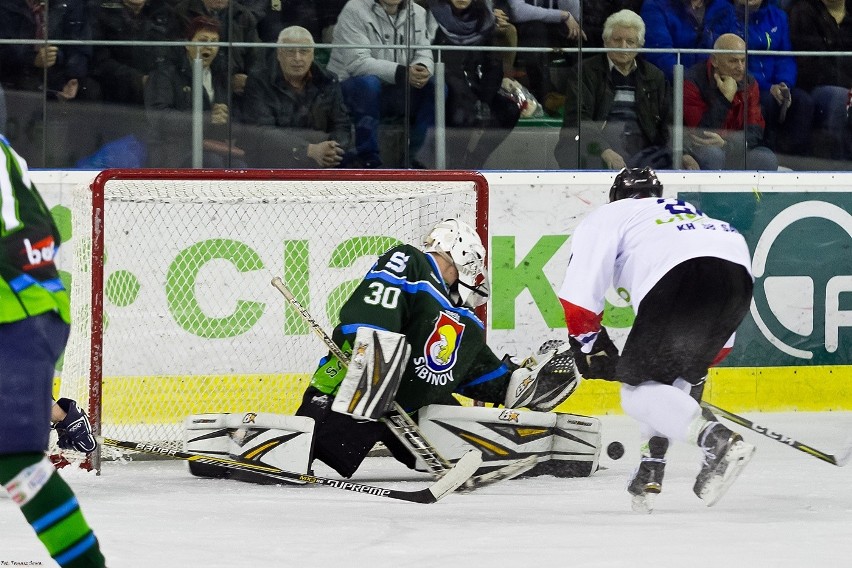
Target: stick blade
x: 457, y: 475
x: 510, y: 471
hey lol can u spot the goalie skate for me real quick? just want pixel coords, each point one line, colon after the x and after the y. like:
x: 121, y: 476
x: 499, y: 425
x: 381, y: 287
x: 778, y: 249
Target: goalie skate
x: 725, y: 456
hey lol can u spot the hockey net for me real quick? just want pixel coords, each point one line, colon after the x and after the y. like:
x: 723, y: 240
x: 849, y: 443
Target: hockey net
x: 173, y: 311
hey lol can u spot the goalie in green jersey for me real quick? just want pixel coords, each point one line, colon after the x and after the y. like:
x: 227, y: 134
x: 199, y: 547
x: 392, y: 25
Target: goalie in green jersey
x: 425, y: 298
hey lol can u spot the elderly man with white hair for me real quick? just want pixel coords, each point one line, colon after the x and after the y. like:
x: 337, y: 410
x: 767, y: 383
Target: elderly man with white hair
x: 621, y: 106
x: 297, y: 107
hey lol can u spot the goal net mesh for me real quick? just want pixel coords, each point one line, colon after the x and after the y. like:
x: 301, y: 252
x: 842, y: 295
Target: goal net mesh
x: 190, y: 322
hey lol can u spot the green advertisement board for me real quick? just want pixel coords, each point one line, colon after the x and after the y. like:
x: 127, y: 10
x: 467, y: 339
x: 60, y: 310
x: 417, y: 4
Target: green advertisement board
x: 801, y: 245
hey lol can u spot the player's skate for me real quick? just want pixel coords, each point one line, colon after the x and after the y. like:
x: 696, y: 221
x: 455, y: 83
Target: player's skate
x: 725, y: 456
x: 647, y: 480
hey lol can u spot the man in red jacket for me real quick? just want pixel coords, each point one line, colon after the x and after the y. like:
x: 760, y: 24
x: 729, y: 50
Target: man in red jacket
x: 721, y: 103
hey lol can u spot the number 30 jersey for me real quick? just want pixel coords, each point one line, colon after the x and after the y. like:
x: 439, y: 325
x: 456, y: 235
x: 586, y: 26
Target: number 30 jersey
x: 631, y: 244
x: 404, y: 292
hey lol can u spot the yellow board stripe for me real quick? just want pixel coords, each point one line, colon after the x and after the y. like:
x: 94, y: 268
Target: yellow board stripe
x: 156, y: 399
x: 170, y: 398
x: 742, y: 389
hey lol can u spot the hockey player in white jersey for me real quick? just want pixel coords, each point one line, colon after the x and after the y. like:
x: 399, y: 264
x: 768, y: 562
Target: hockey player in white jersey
x: 689, y: 280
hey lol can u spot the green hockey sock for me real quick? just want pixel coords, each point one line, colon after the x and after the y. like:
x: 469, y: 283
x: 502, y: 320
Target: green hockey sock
x: 52, y: 510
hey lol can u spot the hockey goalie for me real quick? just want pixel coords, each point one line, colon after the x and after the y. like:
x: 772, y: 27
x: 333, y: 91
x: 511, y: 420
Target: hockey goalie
x: 407, y: 341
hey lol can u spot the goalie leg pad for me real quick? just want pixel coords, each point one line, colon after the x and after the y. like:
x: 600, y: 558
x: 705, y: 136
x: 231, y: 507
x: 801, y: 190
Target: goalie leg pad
x: 276, y: 440
x: 369, y: 388
x: 502, y: 435
x: 206, y: 434
x: 576, y: 447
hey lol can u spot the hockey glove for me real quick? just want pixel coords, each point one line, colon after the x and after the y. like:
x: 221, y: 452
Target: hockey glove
x: 75, y: 431
x: 600, y: 363
x: 544, y: 380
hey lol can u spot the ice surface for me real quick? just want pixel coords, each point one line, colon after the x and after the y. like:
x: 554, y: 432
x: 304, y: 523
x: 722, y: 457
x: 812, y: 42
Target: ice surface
x: 787, y: 509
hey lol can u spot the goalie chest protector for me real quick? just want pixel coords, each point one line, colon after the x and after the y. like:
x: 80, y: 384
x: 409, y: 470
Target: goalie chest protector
x: 405, y: 293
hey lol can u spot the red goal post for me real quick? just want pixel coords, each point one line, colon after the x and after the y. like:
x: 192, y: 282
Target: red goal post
x: 172, y: 309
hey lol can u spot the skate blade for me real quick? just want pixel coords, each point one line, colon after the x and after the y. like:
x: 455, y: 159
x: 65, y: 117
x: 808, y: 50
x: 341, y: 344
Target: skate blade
x: 644, y: 503
x: 737, y: 458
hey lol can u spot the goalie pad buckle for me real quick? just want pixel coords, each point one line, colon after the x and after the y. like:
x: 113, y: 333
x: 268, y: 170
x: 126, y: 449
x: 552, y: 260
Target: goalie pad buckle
x: 372, y: 378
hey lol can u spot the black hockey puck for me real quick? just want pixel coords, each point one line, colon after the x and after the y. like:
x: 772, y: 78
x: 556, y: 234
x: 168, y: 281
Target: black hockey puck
x: 615, y: 450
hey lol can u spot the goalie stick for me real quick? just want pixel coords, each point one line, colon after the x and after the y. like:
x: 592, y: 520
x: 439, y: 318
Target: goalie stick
x: 399, y: 422
x: 451, y: 480
x: 839, y: 460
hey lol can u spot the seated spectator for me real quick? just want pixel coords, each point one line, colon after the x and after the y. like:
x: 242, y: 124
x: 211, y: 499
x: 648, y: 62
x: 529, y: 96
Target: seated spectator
x: 299, y: 109
x: 593, y: 15
x: 123, y: 69
x: 546, y: 24
x: 236, y: 25
x: 721, y: 103
x: 684, y: 24
x: 66, y: 66
x: 168, y: 103
x: 505, y: 35
x: 317, y: 16
x: 374, y: 79
x: 274, y: 15
x: 59, y: 72
x: 622, y: 106
x: 825, y: 25
x: 473, y: 81
x: 787, y: 110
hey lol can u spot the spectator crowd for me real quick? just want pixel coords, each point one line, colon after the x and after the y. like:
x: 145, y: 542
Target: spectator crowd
x: 370, y: 100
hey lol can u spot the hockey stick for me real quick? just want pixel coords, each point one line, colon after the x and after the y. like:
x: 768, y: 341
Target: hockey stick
x: 452, y: 479
x: 838, y: 460
x: 399, y: 422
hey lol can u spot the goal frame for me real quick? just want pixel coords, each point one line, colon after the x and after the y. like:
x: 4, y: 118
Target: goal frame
x: 97, y: 187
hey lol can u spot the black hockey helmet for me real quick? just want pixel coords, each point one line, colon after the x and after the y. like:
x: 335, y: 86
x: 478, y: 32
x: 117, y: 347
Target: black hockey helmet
x: 635, y: 182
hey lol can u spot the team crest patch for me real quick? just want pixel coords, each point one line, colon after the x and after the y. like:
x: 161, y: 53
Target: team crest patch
x: 441, y: 348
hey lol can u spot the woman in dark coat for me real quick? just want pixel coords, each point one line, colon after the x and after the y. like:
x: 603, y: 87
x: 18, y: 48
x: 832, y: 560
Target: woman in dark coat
x: 473, y: 82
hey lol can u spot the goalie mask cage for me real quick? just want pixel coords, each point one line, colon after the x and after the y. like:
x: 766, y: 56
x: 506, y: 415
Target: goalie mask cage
x: 172, y: 309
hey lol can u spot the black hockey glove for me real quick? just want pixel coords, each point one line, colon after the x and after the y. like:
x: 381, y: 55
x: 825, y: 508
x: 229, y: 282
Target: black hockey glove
x: 600, y: 363
x: 75, y: 431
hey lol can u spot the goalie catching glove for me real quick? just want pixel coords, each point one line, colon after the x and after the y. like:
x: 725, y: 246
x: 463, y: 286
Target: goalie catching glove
x: 543, y: 380
x: 600, y: 362
x: 75, y: 431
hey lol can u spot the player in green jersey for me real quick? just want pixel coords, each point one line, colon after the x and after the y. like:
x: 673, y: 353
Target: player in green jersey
x: 34, y: 315
x: 428, y: 295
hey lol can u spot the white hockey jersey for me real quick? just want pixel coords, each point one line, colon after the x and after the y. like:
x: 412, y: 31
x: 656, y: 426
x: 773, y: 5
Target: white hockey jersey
x: 631, y: 244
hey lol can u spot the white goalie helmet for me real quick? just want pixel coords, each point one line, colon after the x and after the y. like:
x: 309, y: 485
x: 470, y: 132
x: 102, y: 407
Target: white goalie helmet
x: 461, y: 243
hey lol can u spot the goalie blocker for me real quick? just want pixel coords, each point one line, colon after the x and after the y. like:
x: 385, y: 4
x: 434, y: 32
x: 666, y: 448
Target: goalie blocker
x: 277, y: 440
x: 567, y: 445
x: 373, y: 374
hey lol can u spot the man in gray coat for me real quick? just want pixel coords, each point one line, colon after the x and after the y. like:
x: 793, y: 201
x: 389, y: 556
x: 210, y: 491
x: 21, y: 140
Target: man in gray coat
x: 374, y: 79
